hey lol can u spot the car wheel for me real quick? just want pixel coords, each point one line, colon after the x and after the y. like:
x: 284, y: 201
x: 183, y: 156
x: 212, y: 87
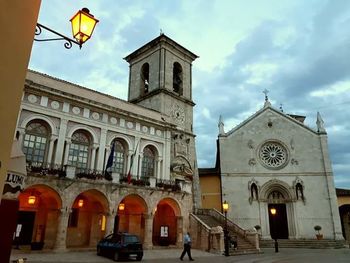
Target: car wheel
x: 139, y: 257
x: 116, y: 256
x: 99, y: 251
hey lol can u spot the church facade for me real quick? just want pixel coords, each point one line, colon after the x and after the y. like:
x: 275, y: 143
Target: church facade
x: 97, y: 164
x: 276, y: 175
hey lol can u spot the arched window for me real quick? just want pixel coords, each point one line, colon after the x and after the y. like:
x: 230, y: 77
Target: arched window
x: 119, y: 157
x: 177, y: 78
x: 144, y: 78
x: 79, y: 149
x: 148, y: 162
x: 35, y: 142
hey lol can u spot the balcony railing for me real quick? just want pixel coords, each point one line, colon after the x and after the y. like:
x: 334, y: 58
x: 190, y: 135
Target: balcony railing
x: 168, y: 185
x: 71, y: 172
x: 89, y: 174
x: 143, y: 181
x: 46, y: 169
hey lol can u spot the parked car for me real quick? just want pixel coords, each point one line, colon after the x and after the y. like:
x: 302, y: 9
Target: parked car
x: 121, y: 245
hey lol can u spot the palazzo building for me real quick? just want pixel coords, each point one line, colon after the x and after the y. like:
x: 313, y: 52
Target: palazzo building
x: 68, y: 133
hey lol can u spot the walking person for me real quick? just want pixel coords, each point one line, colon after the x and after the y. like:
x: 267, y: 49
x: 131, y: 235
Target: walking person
x: 187, y: 247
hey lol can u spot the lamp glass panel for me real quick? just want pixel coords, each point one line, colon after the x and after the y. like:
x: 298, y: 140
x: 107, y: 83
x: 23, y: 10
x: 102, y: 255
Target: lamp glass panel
x: 225, y: 206
x: 87, y: 25
x: 76, y: 25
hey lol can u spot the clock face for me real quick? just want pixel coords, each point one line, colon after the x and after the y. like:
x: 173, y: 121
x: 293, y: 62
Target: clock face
x: 178, y: 114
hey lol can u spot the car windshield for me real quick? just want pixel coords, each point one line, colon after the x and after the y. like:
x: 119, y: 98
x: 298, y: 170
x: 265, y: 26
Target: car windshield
x: 131, y: 239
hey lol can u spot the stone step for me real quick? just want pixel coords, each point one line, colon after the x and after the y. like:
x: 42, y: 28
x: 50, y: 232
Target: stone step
x: 244, y: 252
x: 310, y: 243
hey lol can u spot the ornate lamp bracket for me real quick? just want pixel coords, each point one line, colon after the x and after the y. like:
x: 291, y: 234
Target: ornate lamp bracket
x: 69, y: 42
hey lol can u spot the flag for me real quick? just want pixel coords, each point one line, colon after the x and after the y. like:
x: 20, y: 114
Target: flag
x: 131, y: 163
x: 129, y: 176
x: 110, y: 159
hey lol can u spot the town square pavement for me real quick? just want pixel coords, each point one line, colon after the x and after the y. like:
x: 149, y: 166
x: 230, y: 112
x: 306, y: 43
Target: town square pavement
x: 172, y: 255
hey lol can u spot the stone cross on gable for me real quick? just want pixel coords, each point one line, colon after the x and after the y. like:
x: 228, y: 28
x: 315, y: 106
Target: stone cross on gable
x: 265, y: 91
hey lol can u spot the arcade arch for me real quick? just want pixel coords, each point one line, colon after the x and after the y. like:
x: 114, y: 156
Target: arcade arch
x: 39, y: 207
x: 167, y: 221
x: 131, y: 215
x: 87, y: 219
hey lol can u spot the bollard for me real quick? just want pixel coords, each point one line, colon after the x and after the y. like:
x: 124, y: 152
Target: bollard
x: 276, y: 245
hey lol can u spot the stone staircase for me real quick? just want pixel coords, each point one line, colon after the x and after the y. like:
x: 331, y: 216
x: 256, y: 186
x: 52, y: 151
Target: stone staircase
x: 306, y: 243
x: 244, y: 246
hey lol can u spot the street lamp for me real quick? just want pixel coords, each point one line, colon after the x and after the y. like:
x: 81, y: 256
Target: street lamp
x: 83, y: 25
x: 273, y: 212
x: 225, y: 209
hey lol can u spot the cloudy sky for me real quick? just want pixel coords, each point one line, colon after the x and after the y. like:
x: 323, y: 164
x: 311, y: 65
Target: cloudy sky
x: 298, y: 50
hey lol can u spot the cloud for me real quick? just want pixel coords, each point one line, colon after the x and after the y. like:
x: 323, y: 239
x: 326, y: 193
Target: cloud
x: 297, y: 50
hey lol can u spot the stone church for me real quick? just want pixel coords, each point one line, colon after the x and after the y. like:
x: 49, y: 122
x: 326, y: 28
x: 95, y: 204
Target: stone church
x: 275, y: 173
x: 68, y: 133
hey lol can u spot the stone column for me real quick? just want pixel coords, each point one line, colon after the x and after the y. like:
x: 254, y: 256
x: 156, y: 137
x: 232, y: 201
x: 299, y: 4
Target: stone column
x: 93, y: 156
x: 101, y: 152
x: 264, y: 217
x: 60, y: 142
x: 65, y: 160
x: 50, y: 151
x: 110, y: 222
x: 179, y: 231
x: 147, y: 243
x: 159, y: 174
x: 61, y: 236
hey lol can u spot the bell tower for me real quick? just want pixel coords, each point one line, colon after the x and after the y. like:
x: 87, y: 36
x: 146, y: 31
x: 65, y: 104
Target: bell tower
x: 160, y: 78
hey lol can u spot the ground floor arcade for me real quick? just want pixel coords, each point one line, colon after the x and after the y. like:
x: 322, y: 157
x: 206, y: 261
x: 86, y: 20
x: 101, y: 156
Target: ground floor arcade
x: 74, y: 214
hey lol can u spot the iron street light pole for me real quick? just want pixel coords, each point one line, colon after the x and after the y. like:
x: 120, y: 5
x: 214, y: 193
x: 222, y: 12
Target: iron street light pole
x: 226, y: 243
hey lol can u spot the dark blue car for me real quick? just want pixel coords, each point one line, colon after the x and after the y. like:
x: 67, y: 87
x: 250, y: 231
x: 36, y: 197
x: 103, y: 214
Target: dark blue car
x: 121, y: 245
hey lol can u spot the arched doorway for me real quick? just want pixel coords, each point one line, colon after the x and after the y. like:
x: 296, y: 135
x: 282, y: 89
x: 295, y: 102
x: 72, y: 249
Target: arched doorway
x: 344, y: 212
x: 278, y: 221
x: 87, y: 220
x: 38, y: 217
x: 131, y: 216
x: 277, y: 215
x: 166, y: 223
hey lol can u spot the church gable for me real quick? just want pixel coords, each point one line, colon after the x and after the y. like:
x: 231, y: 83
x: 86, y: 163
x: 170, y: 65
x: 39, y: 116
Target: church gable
x: 270, y: 141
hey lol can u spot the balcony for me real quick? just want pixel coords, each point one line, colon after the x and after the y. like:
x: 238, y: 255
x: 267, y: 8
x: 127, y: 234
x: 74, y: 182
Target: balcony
x: 75, y: 173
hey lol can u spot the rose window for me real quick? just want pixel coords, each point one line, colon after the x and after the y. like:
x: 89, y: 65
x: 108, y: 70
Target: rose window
x: 273, y: 155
